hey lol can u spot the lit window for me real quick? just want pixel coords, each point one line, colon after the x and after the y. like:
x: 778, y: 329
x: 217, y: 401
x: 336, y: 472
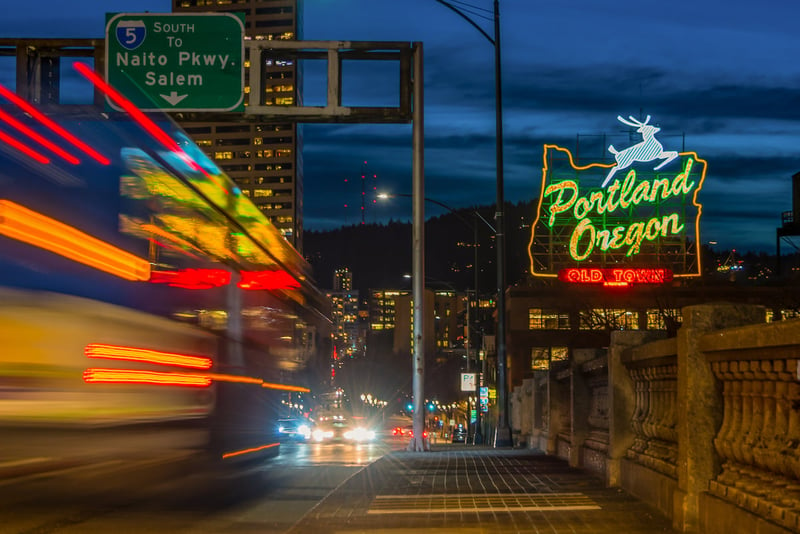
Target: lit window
x: 658, y: 319
x: 609, y: 319
x: 542, y: 319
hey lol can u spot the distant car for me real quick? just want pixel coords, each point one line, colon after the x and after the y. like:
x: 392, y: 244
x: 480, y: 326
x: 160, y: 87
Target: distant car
x: 339, y: 428
x: 407, y: 432
x: 294, y: 429
x: 459, y: 434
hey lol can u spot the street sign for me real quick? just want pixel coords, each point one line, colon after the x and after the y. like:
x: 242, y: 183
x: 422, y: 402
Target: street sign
x: 177, y: 62
x: 468, y: 382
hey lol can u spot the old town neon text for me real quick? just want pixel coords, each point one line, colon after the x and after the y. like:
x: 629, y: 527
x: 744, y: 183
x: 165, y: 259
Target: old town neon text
x: 615, y: 276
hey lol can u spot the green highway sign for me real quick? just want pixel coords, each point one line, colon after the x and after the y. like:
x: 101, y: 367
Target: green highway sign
x: 177, y: 62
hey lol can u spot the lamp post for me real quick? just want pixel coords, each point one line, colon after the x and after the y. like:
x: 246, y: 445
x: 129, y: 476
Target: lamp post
x: 503, y: 432
x: 478, y: 437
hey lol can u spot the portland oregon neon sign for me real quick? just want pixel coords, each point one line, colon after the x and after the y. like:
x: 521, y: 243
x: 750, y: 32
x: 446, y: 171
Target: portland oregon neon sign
x: 640, y: 211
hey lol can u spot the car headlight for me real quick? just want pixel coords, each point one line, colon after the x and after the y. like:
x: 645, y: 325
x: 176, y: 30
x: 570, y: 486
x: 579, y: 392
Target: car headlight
x: 304, y: 430
x: 360, y: 434
x: 321, y: 435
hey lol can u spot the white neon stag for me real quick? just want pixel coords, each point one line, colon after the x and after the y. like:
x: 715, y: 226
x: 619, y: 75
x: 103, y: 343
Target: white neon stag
x: 648, y: 150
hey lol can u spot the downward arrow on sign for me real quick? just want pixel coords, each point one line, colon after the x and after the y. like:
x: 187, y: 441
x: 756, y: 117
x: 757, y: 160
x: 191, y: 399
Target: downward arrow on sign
x: 173, y: 98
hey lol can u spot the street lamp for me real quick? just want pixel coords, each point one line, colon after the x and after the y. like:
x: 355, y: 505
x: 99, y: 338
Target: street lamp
x: 478, y: 437
x: 503, y: 432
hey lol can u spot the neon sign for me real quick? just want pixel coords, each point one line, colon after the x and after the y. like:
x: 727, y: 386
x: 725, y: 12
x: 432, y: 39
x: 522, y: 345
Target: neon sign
x: 623, y: 214
x: 615, y: 277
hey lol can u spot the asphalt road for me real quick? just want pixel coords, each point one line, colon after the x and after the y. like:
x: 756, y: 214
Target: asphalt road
x: 159, y: 494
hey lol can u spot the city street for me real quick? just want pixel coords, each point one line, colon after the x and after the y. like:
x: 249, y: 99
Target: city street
x: 171, y: 493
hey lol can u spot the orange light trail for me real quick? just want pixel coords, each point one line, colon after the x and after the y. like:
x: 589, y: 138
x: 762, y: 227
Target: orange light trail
x: 131, y: 376
x: 38, y: 115
x: 116, y: 352
x: 38, y: 138
x: 285, y: 387
x: 23, y: 224
x: 235, y: 378
x: 247, y: 451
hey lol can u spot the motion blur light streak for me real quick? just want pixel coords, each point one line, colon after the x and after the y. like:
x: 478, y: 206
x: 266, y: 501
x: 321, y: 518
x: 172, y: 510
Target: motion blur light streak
x: 38, y: 115
x: 131, y: 376
x: 268, y: 280
x: 38, y: 138
x: 23, y: 224
x: 235, y: 378
x: 210, y: 278
x: 142, y: 119
x: 153, y: 229
x: 192, y: 278
x: 117, y: 352
x: 246, y: 451
x: 285, y: 387
x: 22, y: 147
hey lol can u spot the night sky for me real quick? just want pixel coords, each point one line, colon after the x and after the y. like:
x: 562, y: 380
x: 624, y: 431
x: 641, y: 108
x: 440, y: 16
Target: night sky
x: 721, y: 77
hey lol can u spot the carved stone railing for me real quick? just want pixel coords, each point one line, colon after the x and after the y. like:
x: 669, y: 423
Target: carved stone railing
x: 654, y: 422
x: 562, y: 397
x: 595, y: 373
x: 758, y: 443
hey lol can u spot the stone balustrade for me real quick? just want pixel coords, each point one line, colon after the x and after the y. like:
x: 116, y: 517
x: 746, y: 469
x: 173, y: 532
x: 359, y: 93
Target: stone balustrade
x: 758, y: 442
x: 655, y: 418
x: 704, y: 426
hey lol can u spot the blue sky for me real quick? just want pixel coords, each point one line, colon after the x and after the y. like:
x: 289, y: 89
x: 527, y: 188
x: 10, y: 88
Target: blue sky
x: 723, y: 76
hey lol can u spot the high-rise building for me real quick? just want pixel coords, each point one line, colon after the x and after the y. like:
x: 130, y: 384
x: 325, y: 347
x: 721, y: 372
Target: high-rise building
x: 263, y: 158
x: 342, y: 280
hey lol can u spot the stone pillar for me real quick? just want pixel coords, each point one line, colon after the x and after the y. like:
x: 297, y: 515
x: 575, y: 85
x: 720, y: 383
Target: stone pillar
x: 526, y: 422
x: 555, y: 391
x: 581, y: 398
x: 621, y: 399
x: 700, y: 405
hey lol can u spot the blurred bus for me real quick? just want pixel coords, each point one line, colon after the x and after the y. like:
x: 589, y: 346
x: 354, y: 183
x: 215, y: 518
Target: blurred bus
x: 140, y: 286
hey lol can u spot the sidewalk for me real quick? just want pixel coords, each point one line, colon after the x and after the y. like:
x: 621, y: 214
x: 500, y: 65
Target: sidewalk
x: 475, y: 489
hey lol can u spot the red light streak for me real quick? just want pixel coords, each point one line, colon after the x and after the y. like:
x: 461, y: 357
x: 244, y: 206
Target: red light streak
x: 38, y: 138
x: 247, y: 451
x: 192, y: 278
x: 267, y: 280
x: 38, y: 115
x: 128, y: 106
x: 143, y: 120
x: 117, y: 352
x: 23, y: 148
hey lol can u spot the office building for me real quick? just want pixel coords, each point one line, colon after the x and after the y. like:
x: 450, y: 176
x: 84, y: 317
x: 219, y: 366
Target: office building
x: 263, y: 158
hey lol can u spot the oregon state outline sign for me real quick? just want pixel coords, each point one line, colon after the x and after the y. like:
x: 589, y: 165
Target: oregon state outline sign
x: 640, y: 211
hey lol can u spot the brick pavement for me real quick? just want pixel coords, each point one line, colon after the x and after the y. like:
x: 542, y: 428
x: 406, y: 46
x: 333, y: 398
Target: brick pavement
x: 478, y: 490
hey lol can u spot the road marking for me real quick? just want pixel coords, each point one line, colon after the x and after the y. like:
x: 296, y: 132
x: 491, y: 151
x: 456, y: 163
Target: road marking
x: 506, y: 502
